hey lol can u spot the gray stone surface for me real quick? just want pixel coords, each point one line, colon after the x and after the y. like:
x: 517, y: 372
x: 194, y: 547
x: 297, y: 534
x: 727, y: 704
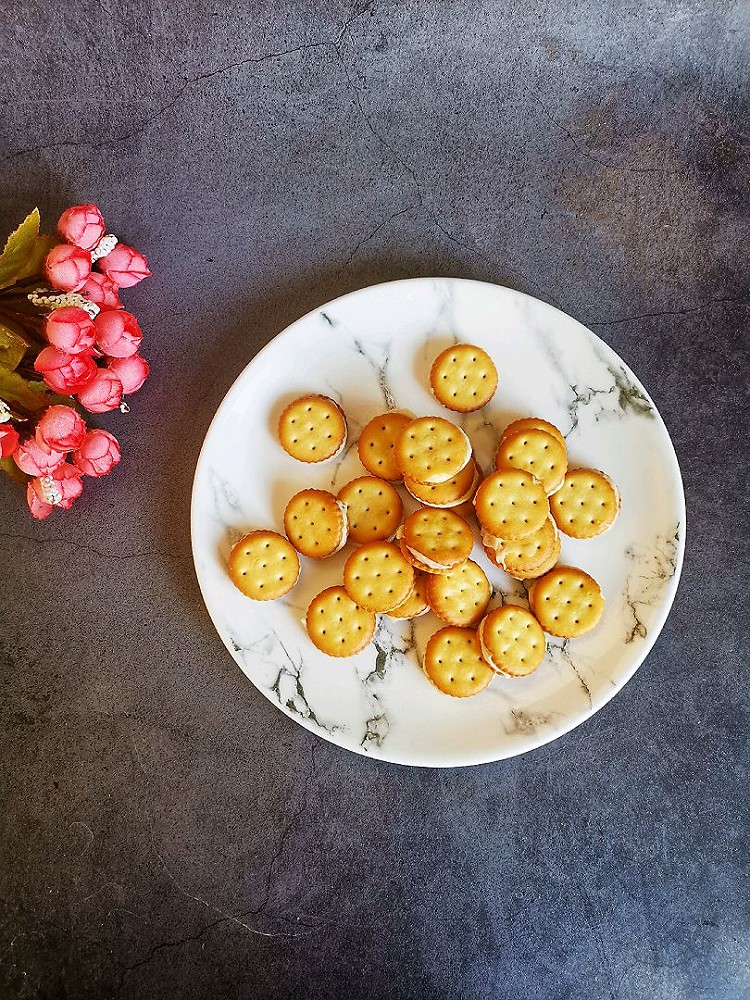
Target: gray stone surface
x: 165, y: 832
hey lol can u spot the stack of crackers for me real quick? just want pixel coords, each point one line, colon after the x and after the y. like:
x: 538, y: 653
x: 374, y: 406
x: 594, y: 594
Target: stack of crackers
x: 405, y: 567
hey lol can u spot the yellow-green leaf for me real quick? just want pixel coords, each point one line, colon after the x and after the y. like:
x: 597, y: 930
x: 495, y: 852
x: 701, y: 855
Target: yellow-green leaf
x: 14, y: 389
x: 9, y: 467
x: 13, y: 344
x: 35, y: 263
x: 18, y: 249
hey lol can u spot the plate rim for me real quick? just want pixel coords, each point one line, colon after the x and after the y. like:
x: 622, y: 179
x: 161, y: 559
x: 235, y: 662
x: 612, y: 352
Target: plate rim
x: 577, y: 719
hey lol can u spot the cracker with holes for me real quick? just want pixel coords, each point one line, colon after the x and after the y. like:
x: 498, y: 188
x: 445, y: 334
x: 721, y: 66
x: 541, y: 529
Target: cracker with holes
x: 534, y: 423
x: 567, y: 602
x: 460, y: 597
x: 263, y: 565
x: 338, y: 626
x: 377, y: 577
x: 463, y: 378
x: 586, y: 504
x: 527, y: 557
x: 415, y: 604
x: 453, y: 662
x: 377, y: 443
x: 512, y: 641
x: 453, y: 493
x: 315, y: 523
x: 373, y: 509
x: 437, y: 539
x: 511, y: 504
x: 537, y: 452
x: 312, y: 429
x: 432, y: 450
x: 419, y: 566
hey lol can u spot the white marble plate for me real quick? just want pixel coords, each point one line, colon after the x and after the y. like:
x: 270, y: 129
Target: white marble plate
x: 372, y: 350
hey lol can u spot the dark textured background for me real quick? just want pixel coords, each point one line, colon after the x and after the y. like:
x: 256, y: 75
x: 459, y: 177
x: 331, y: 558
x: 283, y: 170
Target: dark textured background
x: 165, y: 832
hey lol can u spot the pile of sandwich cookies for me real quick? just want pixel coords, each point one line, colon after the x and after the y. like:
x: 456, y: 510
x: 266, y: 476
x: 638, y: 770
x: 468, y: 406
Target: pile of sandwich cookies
x: 404, y: 567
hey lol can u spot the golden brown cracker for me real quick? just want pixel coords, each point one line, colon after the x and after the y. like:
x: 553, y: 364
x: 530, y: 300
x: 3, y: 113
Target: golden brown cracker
x: 373, y: 509
x: 567, y: 602
x: 453, y: 662
x: 378, y: 577
x: 463, y: 378
x: 439, y: 538
x: 537, y: 452
x: 511, y: 504
x: 338, y: 626
x: 512, y: 641
x: 461, y: 596
x: 534, y: 423
x: 432, y: 450
x: 315, y: 523
x: 264, y: 565
x: 377, y: 444
x: 586, y: 504
x: 312, y: 428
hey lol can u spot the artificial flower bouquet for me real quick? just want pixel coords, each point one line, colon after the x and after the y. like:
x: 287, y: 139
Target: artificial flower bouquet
x: 67, y: 348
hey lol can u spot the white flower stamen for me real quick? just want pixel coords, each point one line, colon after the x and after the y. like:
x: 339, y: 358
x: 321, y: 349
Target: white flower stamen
x: 105, y: 246
x: 48, y: 299
x: 50, y: 490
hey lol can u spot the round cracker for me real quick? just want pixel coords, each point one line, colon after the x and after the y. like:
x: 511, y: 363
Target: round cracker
x: 511, y: 504
x: 461, y: 596
x: 377, y: 444
x: 415, y: 604
x: 456, y: 491
x: 315, y: 523
x: 567, y: 602
x: 531, y: 423
x: 312, y: 429
x: 453, y: 662
x: 463, y: 378
x: 537, y: 452
x: 512, y: 641
x: 373, y: 509
x: 336, y: 625
x: 377, y: 576
x: 586, y: 504
x: 264, y: 565
x: 438, y: 538
x: 432, y: 450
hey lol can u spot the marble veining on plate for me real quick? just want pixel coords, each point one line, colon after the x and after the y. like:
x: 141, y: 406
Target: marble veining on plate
x: 371, y: 351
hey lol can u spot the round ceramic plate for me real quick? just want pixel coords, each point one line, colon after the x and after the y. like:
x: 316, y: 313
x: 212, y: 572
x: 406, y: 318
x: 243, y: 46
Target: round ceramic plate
x: 372, y: 351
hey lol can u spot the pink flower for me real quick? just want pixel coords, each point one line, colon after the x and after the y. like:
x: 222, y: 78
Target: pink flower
x: 70, y: 329
x: 103, y: 392
x: 101, y: 290
x: 8, y: 440
x: 61, y: 428
x: 82, y: 225
x: 117, y: 333
x: 36, y: 459
x: 65, y: 373
x: 67, y: 267
x: 58, y: 489
x: 39, y: 508
x: 98, y: 454
x: 125, y: 266
x: 131, y: 372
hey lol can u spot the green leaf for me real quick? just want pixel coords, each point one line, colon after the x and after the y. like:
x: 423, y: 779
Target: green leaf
x: 9, y: 467
x: 18, y: 249
x: 14, y: 389
x: 35, y: 263
x: 13, y: 345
